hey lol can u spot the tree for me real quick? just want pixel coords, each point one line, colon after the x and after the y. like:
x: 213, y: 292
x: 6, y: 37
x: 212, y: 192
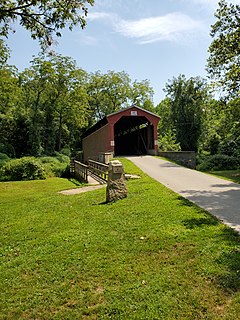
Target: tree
x: 187, y: 98
x: 43, y: 18
x: 224, y: 60
x: 142, y: 95
x: 221, y: 127
x: 10, y: 98
x: 55, y: 99
x: 166, y: 130
x: 4, y: 54
x: 113, y: 91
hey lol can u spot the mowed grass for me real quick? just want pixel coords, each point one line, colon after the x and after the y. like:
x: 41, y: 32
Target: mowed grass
x: 152, y: 255
x: 232, y: 175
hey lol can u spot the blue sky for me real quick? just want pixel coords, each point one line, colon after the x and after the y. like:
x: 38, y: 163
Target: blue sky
x: 149, y: 39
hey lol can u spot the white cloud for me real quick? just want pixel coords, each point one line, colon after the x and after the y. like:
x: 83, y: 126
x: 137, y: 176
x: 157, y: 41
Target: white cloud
x: 106, y: 17
x: 87, y: 40
x: 99, y: 15
x: 172, y: 27
x: 175, y: 27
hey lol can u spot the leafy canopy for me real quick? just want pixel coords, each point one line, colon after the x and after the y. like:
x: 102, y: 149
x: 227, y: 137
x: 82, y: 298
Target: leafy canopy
x: 186, y: 99
x: 224, y: 60
x: 43, y: 18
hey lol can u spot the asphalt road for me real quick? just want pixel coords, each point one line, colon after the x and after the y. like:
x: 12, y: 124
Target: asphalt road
x: 218, y: 196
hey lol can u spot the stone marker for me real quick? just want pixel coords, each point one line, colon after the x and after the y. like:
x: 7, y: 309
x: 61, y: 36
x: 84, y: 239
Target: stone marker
x: 116, y: 186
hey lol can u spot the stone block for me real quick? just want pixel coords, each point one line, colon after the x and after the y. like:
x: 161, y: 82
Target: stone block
x: 116, y: 186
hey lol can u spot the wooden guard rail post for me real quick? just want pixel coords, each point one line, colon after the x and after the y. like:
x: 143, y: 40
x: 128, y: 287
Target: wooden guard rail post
x: 79, y: 170
x: 99, y: 169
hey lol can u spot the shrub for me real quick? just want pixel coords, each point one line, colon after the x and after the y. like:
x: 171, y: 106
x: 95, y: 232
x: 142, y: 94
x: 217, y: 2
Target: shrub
x: 3, y: 159
x: 66, y: 151
x: 167, y: 142
x: 7, y: 149
x: 219, y: 162
x: 78, y: 156
x: 62, y: 158
x: 56, y: 166
x: 26, y: 168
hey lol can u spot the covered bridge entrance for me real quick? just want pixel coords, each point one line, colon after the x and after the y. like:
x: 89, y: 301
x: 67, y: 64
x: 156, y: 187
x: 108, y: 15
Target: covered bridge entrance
x: 131, y: 131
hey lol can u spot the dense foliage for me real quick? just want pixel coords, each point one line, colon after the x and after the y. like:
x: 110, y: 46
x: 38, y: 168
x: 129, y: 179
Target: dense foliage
x: 182, y: 111
x: 219, y: 162
x: 31, y: 168
x: 26, y: 168
x: 45, y: 108
x: 43, y: 18
x: 221, y: 130
x: 224, y: 59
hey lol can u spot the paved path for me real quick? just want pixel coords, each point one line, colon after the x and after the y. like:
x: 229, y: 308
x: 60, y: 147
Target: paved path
x: 93, y: 184
x: 81, y: 190
x: 218, y: 196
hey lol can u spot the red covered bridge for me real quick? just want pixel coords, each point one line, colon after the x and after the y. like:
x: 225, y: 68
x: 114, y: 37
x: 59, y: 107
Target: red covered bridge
x: 131, y: 131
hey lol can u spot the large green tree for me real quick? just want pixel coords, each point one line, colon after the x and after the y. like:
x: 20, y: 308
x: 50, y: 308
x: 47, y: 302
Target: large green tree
x: 112, y: 91
x: 221, y: 127
x: 142, y: 95
x: 4, y: 53
x: 166, y: 130
x: 10, y: 99
x: 108, y: 93
x: 55, y: 99
x: 43, y: 18
x: 187, y: 98
x: 224, y: 60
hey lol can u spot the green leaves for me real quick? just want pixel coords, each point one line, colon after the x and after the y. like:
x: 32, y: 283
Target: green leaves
x: 42, y: 18
x: 186, y: 101
x: 223, y: 64
x: 48, y: 105
x: 113, y: 91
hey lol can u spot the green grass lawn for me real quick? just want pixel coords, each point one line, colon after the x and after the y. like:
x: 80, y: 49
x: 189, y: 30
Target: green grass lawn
x: 153, y: 255
x: 232, y: 175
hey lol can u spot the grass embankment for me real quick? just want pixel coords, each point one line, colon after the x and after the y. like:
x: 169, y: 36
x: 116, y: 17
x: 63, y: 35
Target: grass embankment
x: 152, y: 255
x: 232, y: 175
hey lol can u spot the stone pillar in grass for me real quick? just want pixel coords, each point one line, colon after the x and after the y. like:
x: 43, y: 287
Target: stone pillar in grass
x: 116, y: 186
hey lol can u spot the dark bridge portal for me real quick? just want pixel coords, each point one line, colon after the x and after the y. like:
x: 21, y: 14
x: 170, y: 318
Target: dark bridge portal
x: 133, y: 135
x: 130, y: 131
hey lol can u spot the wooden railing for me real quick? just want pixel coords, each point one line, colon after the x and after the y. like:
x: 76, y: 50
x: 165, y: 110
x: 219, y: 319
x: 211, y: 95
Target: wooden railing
x: 79, y: 170
x: 99, y: 169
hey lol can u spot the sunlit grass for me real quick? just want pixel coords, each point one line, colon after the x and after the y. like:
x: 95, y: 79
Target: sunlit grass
x: 232, y: 175
x: 153, y: 255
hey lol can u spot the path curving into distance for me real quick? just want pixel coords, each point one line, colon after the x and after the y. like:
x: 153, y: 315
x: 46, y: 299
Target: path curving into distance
x: 218, y: 196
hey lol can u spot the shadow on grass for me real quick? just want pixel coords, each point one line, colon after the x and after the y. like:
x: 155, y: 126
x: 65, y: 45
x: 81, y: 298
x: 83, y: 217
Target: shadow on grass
x: 229, y: 280
x: 104, y: 203
x: 186, y: 202
x: 200, y: 222
x: 76, y: 182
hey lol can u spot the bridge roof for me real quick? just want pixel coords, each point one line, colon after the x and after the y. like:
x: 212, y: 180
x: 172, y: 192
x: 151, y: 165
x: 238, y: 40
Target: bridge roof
x: 133, y: 107
x: 114, y: 117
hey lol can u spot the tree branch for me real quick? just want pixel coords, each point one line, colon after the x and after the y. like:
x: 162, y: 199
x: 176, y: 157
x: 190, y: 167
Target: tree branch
x: 17, y: 8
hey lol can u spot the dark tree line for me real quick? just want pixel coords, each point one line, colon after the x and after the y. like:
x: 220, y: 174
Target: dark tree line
x: 46, y: 108
x: 191, y: 118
